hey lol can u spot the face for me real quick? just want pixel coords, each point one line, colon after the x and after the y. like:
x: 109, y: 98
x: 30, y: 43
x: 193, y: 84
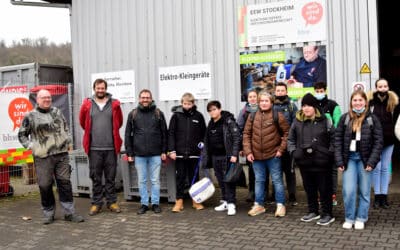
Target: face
x: 43, y: 99
x: 358, y: 102
x: 145, y: 99
x: 280, y: 91
x: 214, y: 112
x: 382, y: 86
x: 265, y: 103
x: 100, y: 90
x: 252, y: 98
x: 308, y: 111
x: 187, y: 105
x: 310, y: 53
x: 319, y: 91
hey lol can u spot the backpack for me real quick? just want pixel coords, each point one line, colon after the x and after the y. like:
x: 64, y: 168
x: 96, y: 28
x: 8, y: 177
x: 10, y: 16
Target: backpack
x: 369, y: 121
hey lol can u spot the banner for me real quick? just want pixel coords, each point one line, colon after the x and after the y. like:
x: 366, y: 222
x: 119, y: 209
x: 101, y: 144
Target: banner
x: 282, y: 22
x: 174, y: 81
x: 121, y: 84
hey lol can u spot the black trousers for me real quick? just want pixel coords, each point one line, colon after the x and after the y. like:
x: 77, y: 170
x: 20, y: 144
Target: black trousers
x: 220, y: 164
x: 315, y: 182
x: 184, y: 172
x: 103, y: 162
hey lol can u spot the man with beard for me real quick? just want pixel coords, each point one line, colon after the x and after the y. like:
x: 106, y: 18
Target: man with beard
x: 101, y: 118
x: 146, y: 145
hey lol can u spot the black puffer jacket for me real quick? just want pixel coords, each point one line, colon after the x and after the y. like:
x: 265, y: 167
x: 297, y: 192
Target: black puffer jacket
x: 146, y: 135
x: 310, y: 142
x: 231, y: 139
x: 186, y: 129
x: 371, y: 143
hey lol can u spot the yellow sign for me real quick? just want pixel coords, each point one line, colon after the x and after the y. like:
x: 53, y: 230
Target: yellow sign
x: 365, y: 69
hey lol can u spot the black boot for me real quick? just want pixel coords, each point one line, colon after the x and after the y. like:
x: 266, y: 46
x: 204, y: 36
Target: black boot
x: 384, y: 201
x: 377, y: 201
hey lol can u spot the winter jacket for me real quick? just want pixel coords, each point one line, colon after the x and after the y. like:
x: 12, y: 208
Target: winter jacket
x: 146, y: 134
x: 244, y: 113
x: 331, y: 110
x: 287, y: 108
x: 45, y: 132
x: 186, y: 129
x: 310, y: 142
x: 371, y: 143
x: 261, y: 136
x: 231, y: 135
x: 379, y: 108
x: 85, y: 121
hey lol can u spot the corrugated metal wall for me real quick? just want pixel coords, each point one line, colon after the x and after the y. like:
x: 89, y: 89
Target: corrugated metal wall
x: 115, y: 35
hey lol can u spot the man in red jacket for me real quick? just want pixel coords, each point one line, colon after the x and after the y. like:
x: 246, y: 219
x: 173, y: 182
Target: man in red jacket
x: 101, y: 118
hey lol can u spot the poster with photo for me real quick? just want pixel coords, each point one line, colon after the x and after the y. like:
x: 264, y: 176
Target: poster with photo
x: 299, y: 68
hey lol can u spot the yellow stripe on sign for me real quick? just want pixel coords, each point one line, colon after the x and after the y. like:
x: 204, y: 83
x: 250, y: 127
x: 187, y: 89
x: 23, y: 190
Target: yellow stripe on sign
x: 16, y: 154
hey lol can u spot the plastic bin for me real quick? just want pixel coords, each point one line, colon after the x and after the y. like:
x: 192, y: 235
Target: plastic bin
x: 80, y: 177
x: 167, y: 181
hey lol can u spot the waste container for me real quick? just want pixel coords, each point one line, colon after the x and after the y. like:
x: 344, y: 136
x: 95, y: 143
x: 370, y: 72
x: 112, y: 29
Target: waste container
x: 80, y: 175
x: 5, y: 188
x: 167, y: 180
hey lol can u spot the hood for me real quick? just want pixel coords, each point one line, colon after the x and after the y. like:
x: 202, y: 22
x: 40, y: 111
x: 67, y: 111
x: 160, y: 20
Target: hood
x: 227, y: 115
x: 302, y: 118
x: 152, y: 106
x: 284, y: 101
x: 179, y: 109
x: 392, y: 101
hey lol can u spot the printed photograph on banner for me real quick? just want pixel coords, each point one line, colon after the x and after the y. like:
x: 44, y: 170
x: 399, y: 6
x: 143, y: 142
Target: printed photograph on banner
x: 299, y: 68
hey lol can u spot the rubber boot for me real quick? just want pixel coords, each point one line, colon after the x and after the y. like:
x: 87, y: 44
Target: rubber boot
x: 178, y: 206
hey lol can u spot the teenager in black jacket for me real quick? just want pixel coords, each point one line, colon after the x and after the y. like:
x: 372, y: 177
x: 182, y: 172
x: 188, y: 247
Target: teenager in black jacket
x: 310, y: 143
x: 186, y: 130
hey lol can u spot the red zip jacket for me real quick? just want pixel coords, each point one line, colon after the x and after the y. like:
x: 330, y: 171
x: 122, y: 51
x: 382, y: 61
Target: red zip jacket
x: 86, y: 123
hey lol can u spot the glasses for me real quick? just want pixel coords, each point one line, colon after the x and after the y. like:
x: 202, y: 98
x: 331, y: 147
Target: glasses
x: 45, y: 97
x: 145, y: 97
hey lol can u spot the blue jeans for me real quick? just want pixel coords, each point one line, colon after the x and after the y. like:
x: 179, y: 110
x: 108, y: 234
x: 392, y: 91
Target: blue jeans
x: 381, y: 175
x: 148, y: 166
x: 356, y: 182
x: 274, y: 168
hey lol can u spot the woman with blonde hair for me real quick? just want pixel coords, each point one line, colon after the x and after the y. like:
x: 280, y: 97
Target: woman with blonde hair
x: 358, y: 145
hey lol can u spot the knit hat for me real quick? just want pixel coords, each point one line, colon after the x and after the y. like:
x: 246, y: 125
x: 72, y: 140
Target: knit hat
x: 309, y: 99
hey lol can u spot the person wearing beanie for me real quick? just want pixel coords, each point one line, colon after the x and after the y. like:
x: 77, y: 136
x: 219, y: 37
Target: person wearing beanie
x: 310, y: 143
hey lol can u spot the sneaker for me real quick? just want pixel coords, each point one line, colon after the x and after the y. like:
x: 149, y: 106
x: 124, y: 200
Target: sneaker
x: 280, y: 210
x: 310, y: 217
x: 359, y: 225
x: 222, y: 207
x: 256, y: 210
x: 326, y: 220
x: 94, y: 209
x: 143, y: 209
x: 73, y: 218
x: 292, y: 200
x: 156, y: 208
x: 48, y: 220
x: 347, y: 225
x: 114, y: 208
x: 231, y: 209
x: 334, y: 201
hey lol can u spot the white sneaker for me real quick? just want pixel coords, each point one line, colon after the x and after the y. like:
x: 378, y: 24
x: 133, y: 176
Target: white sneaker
x: 231, y: 209
x: 359, y: 225
x: 347, y: 225
x: 222, y: 207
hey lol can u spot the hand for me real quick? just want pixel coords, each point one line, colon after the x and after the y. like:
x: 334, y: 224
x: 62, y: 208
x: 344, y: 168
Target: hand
x: 250, y: 157
x: 278, y: 154
x: 341, y: 168
x: 172, y: 156
x: 163, y: 157
x: 368, y: 168
x: 131, y: 159
x: 233, y: 159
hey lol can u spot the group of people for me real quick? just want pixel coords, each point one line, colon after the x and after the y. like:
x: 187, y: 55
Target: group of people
x: 270, y: 131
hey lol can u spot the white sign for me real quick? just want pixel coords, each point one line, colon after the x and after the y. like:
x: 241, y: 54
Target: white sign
x: 13, y: 107
x: 282, y: 22
x: 173, y: 82
x: 121, y: 84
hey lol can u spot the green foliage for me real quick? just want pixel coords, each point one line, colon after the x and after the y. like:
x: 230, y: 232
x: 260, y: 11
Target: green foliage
x: 35, y: 50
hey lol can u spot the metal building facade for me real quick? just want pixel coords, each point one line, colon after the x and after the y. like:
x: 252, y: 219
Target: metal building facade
x: 143, y: 35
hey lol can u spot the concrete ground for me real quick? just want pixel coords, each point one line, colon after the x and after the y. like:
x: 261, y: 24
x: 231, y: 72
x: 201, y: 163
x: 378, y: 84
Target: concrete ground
x: 192, y: 229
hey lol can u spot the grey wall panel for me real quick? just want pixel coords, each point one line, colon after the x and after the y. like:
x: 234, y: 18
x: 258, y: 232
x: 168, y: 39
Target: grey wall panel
x: 144, y: 35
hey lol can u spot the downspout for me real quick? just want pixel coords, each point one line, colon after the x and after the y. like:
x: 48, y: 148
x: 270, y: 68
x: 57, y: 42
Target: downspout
x: 37, y: 4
